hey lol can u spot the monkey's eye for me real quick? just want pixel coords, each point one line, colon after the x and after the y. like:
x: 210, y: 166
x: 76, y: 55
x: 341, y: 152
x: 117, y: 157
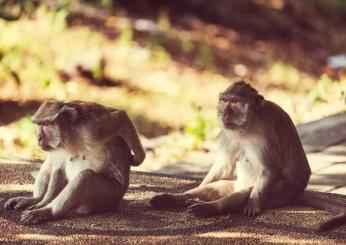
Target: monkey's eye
x: 44, y: 123
x: 233, y: 100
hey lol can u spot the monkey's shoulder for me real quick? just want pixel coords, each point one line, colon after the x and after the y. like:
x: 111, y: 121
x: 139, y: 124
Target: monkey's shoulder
x: 89, y: 111
x: 272, y: 114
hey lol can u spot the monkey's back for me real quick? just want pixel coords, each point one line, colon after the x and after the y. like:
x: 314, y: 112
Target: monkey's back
x: 284, y: 140
x: 120, y: 162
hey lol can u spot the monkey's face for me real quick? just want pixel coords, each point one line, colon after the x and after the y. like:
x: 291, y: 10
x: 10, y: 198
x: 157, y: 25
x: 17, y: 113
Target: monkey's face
x: 49, y: 136
x: 233, y: 111
x: 237, y: 105
x: 54, y: 121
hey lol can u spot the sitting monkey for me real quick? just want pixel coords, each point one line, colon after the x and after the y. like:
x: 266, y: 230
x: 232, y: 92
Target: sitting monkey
x: 88, y: 164
x: 260, y: 147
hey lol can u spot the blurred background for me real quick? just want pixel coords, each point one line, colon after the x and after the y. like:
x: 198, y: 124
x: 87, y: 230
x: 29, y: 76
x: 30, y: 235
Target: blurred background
x: 165, y: 62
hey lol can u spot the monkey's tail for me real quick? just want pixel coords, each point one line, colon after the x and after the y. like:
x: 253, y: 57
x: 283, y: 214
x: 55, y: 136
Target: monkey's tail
x: 314, y: 199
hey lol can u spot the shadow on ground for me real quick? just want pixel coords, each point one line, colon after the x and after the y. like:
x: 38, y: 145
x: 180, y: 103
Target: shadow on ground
x: 135, y: 221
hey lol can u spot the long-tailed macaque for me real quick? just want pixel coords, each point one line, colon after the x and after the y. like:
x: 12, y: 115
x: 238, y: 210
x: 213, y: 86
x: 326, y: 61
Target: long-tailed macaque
x: 259, y: 146
x: 88, y: 164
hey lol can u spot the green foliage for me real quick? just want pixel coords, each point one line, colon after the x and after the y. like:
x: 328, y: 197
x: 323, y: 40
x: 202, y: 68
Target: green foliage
x: 205, y: 58
x: 27, y: 138
x: 11, y: 10
x: 321, y: 89
x: 58, y: 19
x: 126, y: 35
x: 187, y: 46
x: 26, y: 132
x: 160, y: 54
x: 98, y: 71
x: 201, y: 126
x: 164, y: 20
x: 284, y: 74
x: 326, y: 87
x: 107, y: 3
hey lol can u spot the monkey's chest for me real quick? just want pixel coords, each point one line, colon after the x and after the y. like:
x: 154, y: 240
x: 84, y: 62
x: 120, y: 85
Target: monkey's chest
x: 247, y: 171
x: 82, y: 161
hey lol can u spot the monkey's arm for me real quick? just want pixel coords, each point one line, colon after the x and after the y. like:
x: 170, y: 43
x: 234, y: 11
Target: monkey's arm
x: 40, y: 188
x: 57, y: 182
x: 261, y: 189
x: 119, y: 124
x: 42, y: 179
x: 221, y: 169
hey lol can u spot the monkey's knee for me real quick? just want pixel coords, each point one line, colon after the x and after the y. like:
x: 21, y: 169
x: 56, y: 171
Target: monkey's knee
x: 106, y: 193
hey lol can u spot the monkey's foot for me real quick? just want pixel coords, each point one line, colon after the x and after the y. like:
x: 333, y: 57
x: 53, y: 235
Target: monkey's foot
x: 20, y: 202
x: 35, y: 216
x: 167, y: 200
x: 190, y: 202
x: 202, y: 209
x: 251, y: 209
x: 32, y: 207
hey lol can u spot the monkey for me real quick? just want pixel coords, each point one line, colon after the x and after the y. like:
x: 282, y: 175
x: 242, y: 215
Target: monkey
x: 260, y: 163
x: 90, y: 149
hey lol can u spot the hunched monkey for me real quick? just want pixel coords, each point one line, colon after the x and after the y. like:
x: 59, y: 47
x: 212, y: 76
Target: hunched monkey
x: 88, y: 164
x: 260, y: 148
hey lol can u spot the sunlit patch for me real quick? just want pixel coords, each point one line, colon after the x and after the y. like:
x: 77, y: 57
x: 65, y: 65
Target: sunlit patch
x: 15, y: 187
x: 42, y: 237
x: 300, y: 211
x: 136, y: 196
x: 259, y: 236
x: 224, y: 234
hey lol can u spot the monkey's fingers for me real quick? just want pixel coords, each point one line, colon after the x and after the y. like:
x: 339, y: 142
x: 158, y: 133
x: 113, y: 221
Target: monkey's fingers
x: 28, y: 218
x: 317, y: 228
x: 10, y: 203
x: 190, y: 202
x: 35, y: 216
x: 17, y: 203
x: 251, y: 210
x: 31, y: 207
x: 201, y: 209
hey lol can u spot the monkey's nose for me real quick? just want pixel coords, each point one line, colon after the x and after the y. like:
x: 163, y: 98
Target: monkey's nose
x: 40, y: 135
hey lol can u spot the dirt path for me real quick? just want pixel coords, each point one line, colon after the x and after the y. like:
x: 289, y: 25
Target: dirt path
x: 136, y: 223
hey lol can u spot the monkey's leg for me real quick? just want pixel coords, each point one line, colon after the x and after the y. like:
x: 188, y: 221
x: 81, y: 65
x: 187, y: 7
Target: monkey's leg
x: 56, y: 183
x: 281, y: 195
x: 207, y: 192
x: 234, y: 201
x: 89, y: 192
x: 40, y: 188
x: 264, y: 184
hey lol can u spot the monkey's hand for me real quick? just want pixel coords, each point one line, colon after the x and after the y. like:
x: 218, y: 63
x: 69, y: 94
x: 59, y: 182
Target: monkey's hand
x: 136, y: 160
x: 35, y: 216
x: 251, y: 208
x: 20, y: 202
x: 202, y: 209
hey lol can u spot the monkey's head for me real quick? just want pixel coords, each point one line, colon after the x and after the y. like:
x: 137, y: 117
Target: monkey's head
x: 54, y: 120
x: 238, y: 104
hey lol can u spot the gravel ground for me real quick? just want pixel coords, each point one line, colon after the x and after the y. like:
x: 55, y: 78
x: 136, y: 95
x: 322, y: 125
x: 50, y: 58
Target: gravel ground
x: 136, y: 223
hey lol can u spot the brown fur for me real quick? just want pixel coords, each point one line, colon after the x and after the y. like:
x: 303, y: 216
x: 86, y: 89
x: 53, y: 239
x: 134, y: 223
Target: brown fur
x: 260, y: 163
x: 88, y: 164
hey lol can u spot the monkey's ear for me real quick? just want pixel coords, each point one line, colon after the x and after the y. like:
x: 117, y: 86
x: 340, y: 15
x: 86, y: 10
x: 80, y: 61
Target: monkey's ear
x: 259, y: 101
x: 68, y: 113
